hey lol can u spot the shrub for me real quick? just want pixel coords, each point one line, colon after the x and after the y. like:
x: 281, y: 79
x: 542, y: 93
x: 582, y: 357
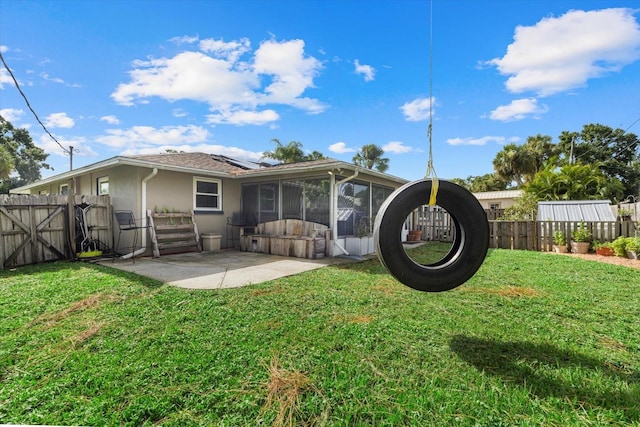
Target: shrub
x: 633, y: 244
x: 619, y: 246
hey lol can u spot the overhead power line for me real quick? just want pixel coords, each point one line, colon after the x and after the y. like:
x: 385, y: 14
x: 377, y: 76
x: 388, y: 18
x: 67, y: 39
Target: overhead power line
x: 15, y: 81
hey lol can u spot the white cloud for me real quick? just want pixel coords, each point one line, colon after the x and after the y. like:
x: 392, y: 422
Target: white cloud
x: 184, y: 39
x: 111, y: 119
x: 559, y: 54
x: 79, y: 144
x: 138, y: 137
x: 366, y: 70
x: 4, y: 48
x: 396, y: 147
x: 59, y: 120
x: 5, y: 78
x: 231, y: 51
x: 58, y: 80
x: 241, y: 118
x: 179, y: 112
x: 484, y: 140
x: 518, y: 110
x: 341, y: 148
x: 278, y: 74
x: 11, y: 115
x: 418, y: 109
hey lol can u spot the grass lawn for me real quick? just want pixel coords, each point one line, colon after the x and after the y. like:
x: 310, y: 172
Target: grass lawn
x: 532, y: 339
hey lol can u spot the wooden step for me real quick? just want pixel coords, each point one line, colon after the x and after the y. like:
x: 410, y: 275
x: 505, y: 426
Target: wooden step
x: 176, y: 236
x: 176, y: 244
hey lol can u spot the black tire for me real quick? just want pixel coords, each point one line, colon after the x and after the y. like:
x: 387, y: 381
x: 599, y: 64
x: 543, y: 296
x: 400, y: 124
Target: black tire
x: 467, y: 252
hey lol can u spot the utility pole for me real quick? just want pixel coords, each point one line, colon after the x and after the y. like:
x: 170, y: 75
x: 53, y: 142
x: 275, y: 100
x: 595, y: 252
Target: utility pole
x: 71, y: 157
x: 573, y: 138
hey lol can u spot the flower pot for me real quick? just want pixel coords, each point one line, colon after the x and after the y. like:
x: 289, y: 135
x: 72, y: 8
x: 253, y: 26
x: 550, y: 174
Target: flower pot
x: 605, y: 251
x: 560, y: 249
x: 414, y: 236
x: 580, y: 247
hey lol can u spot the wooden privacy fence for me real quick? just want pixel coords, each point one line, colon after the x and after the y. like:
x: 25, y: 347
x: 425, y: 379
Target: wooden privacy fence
x: 538, y: 235
x: 40, y: 228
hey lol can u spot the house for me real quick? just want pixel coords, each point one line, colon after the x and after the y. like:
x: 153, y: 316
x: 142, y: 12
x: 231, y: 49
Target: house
x: 497, y: 200
x: 224, y: 193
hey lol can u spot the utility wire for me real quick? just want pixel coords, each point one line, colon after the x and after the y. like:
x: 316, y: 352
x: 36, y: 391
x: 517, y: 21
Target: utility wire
x: 15, y: 81
x: 612, y: 130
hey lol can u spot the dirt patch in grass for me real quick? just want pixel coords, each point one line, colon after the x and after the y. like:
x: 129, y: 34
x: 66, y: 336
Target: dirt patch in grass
x: 83, y: 336
x: 611, y: 343
x: 615, y: 260
x: 509, y: 291
x: 284, y: 389
x: 91, y: 301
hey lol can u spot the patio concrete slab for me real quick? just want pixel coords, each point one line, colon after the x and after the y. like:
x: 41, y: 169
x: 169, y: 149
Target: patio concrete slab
x: 220, y: 269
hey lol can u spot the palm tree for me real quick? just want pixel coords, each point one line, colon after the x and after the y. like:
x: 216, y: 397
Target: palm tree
x: 370, y: 156
x: 515, y: 163
x: 290, y: 153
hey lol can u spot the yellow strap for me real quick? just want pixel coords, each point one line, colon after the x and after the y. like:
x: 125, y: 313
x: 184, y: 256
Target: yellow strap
x: 431, y: 173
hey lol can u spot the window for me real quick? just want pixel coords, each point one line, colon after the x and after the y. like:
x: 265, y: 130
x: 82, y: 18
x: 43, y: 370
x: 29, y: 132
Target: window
x: 103, y: 185
x: 207, y: 194
x: 64, y: 188
x: 494, y: 205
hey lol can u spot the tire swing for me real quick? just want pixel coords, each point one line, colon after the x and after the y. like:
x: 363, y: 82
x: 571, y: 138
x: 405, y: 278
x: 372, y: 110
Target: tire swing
x: 471, y: 228
x: 470, y: 243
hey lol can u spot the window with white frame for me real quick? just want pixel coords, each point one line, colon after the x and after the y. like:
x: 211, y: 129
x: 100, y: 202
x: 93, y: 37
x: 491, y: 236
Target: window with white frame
x: 207, y: 194
x: 495, y: 205
x: 103, y: 185
x: 64, y: 188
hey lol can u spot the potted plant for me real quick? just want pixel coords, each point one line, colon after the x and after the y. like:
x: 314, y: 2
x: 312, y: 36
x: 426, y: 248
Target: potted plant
x: 604, y: 249
x: 581, y: 238
x: 560, y: 241
x: 414, y: 236
x: 632, y: 247
x: 624, y: 214
x: 362, y: 243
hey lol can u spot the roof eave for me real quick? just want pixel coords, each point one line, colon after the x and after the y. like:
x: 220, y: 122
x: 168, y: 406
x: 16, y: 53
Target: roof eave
x: 327, y: 167
x: 117, y: 161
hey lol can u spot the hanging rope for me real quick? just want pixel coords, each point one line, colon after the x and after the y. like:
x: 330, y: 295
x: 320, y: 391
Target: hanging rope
x: 431, y: 171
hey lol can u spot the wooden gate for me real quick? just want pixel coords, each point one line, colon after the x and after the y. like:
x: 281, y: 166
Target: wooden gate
x: 33, y: 230
x: 38, y: 228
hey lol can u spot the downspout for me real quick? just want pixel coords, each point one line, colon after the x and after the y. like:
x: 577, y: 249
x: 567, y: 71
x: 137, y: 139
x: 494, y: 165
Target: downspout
x: 143, y: 217
x: 334, y: 225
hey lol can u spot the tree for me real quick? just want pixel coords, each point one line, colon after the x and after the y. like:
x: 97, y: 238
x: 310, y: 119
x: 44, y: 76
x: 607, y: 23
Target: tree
x: 614, y: 151
x: 6, y: 163
x: 291, y: 153
x: 524, y: 208
x: 486, y: 182
x: 370, y: 157
x: 520, y: 163
x: 512, y: 163
x: 574, y: 182
x: 26, y: 158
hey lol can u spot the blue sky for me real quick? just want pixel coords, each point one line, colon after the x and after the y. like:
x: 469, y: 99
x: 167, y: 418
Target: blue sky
x: 140, y: 76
